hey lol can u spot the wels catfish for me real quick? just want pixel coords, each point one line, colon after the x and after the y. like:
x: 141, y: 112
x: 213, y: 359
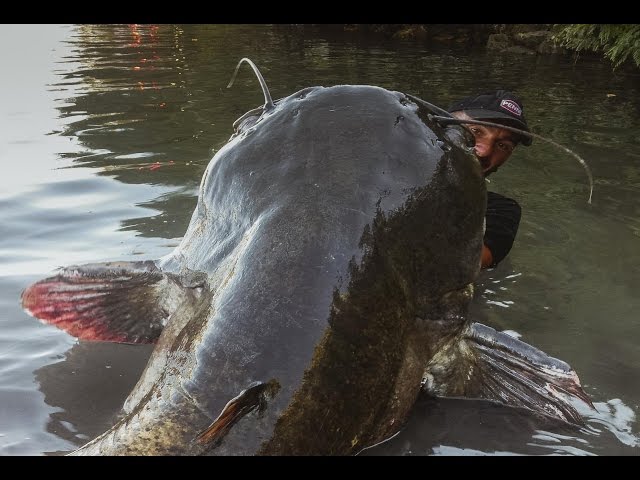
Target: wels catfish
x: 324, y: 280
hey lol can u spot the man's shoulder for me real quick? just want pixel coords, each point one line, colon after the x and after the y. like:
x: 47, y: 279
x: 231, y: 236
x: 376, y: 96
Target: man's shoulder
x: 498, y: 196
x: 497, y: 200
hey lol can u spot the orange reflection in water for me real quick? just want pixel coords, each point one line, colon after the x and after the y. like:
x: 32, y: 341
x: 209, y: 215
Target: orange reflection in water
x: 138, y: 34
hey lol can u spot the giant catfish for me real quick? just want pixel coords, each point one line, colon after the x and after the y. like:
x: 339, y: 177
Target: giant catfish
x: 323, y: 281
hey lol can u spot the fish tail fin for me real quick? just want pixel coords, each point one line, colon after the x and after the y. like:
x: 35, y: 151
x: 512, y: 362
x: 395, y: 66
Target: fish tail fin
x: 492, y: 365
x: 127, y: 302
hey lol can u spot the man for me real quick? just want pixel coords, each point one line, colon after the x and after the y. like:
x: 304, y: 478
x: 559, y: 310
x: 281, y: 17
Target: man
x: 493, y: 147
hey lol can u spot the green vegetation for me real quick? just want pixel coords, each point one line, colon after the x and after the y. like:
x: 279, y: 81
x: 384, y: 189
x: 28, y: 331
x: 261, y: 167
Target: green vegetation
x: 618, y: 42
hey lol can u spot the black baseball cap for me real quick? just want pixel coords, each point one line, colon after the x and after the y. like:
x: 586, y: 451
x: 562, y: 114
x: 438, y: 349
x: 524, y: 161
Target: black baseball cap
x: 500, y: 106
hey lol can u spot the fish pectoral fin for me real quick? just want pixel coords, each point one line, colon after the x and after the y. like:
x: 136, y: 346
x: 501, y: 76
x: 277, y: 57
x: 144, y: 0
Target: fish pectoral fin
x: 492, y: 365
x: 126, y: 302
x: 245, y: 402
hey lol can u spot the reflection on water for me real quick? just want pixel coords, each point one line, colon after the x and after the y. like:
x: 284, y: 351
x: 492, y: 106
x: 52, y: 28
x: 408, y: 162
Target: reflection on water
x: 477, y: 427
x: 100, y: 375
x: 108, y: 130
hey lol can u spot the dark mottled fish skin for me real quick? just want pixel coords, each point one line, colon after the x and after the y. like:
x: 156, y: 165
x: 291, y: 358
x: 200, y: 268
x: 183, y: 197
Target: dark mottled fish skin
x: 339, y: 235
x: 324, y: 280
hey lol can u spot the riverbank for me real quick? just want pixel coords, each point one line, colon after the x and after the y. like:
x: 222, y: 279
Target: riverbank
x: 518, y: 39
x: 526, y: 39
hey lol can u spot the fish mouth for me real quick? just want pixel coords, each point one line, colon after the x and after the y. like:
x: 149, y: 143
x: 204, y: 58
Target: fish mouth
x: 441, y: 323
x: 449, y: 311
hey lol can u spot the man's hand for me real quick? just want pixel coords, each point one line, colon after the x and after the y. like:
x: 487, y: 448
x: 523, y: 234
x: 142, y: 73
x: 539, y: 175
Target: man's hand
x: 487, y: 257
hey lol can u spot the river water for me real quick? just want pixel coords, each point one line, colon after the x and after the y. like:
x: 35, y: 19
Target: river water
x: 107, y: 130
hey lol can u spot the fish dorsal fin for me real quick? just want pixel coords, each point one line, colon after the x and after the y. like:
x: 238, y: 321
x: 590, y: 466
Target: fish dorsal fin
x: 125, y: 302
x: 488, y: 364
x: 245, y: 402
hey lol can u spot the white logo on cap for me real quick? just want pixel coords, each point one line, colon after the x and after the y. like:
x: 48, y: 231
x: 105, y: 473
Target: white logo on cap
x: 511, y: 107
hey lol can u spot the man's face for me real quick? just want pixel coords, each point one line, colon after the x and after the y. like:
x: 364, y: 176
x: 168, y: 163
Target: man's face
x: 494, y: 145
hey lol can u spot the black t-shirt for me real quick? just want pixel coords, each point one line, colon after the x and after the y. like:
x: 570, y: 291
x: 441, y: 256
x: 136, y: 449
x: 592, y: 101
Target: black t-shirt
x: 503, y: 219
